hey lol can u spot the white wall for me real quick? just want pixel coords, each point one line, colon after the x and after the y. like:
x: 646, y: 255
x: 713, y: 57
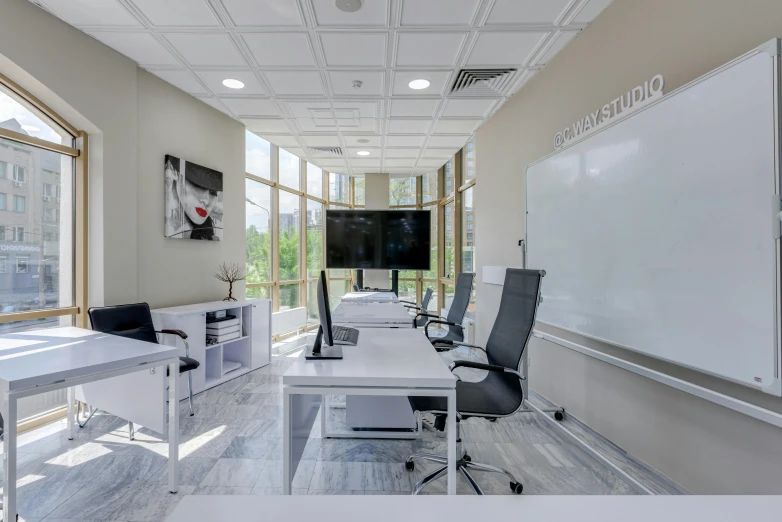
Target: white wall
x: 702, y: 446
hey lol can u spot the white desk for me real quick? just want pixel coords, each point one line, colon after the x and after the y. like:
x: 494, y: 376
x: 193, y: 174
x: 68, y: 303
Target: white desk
x: 372, y: 315
x: 469, y: 508
x: 39, y: 361
x: 370, y: 297
x: 383, y: 363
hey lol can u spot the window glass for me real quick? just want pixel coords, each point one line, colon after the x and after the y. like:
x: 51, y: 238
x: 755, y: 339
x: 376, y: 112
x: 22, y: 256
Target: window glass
x: 3, y: 202
x: 258, y: 238
x: 359, y: 195
x: 289, y: 297
x: 432, y: 272
x: 314, y: 238
x: 449, y: 178
x: 468, y: 161
x: 406, y: 289
x: 339, y: 188
x: 313, y: 314
x: 449, y: 291
x: 19, y: 116
x: 450, y: 246
x: 401, y: 191
x: 468, y: 217
x: 289, y: 170
x: 259, y: 292
x: 314, y: 180
x: 3, y: 170
x: 257, y: 155
x: 290, y: 207
x: 429, y: 187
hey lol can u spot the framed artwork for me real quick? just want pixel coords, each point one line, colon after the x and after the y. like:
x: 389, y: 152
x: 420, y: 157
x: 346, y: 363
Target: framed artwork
x: 194, y: 201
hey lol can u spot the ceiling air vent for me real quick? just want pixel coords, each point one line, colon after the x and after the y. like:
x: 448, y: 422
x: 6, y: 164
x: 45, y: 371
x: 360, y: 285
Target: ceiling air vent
x: 483, y: 82
x: 325, y: 151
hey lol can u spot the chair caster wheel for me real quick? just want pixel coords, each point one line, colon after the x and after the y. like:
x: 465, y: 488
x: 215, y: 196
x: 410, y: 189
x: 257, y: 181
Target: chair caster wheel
x: 409, y: 465
x: 467, y: 458
x: 516, y: 487
x: 493, y: 419
x: 558, y: 415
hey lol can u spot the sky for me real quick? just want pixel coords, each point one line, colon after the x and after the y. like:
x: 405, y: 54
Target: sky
x: 10, y: 108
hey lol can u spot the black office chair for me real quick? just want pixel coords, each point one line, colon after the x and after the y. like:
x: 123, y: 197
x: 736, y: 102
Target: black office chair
x: 135, y: 321
x: 356, y: 288
x: 500, y: 393
x: 461, y: 299
x: 420, y: 308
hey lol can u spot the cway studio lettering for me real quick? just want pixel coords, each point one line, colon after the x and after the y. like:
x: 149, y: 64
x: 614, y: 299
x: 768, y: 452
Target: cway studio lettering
x: 630, y: 101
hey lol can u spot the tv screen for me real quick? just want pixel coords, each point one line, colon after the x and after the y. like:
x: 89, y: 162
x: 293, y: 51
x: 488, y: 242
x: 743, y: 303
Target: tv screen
x: 378, y: 239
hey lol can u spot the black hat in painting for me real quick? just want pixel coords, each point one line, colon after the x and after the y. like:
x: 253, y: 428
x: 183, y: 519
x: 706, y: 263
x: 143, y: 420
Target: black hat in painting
x: 204, y: 177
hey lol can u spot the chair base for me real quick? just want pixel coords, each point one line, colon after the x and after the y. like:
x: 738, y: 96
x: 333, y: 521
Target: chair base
x: 464, y: 464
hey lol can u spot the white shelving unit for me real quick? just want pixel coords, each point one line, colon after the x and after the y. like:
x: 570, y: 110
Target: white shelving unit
x: 220, y: 362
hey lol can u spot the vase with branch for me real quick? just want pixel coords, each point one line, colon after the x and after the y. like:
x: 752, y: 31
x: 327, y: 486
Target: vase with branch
x: 230, y: 273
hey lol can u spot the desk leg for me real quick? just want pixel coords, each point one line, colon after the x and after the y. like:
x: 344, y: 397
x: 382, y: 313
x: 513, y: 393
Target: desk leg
x: 451, y: 430
x: 287, y: 442
x: 173, y: 427
x: 71, y: 394
x: 9, y: 456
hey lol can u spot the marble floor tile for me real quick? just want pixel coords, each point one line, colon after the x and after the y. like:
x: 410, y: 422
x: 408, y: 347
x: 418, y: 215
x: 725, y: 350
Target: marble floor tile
x: 211, y: 444
x: 221, y: 490
x: 386, y: 476
x: 192, y: 471
x: 95, y: 501
x: 271, y: 475
x: 269, y: 428
x: 333, y: 492
x: 265, y: 491
x: 38, y: 498
x: 250, y: 399
x: 149, y: 503
x: 269, y: 411
x: 571, y: 481
x: 234, y: 473
x: 262, y: 388
x: 251, y: 448
x: 130, y: 468
x: 365, y: 450
x: 338, y: 475
x: 237, y: 411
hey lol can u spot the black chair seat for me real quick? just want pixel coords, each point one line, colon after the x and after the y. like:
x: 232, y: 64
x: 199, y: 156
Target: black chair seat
x: 496, y: 395
x: 186, y: 364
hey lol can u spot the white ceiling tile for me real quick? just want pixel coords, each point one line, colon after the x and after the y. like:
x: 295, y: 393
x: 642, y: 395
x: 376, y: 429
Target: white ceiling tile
x: 332, y: 162
x: 439, y: 153
x: 320, y: 141
x: 92, y: 12
x: 428, y: 49
x: 432, y: 163
x: 358, y: 125
x: 214, y: 80
x: 456, y: 126
x: 296, y: 151
x: 506, y: 48
x: 310, y: 109
x: 349, y: 109
x: 438, y: 81
x: 374, y: 13
x: 410, y: 107
x: 468, y: 108
x: 405, y: 141
x: 561, y: 41
x: 294, y: 83
x: 206, y: 49
x: 177, y: 12
x: 590, y: 11
x: 373, y: 83
x: 353, y: 141
x: 526, y: 11
x: 270, y: 13
x: 408, y: 126
x: 282, y: 141
x: 354, y: 49
x: 139, y: 47
x: 251, y: 106
x: 317, y: 125
x: 215, y: 103
x: 266, y: 125
x: 439, y: 12
x: 267, y: 49
x: 365, y: 163
x: 182, y: 79
x: 402, y: 153
x: 448, y: 141
x: 374, y: 153
x: 400, y: 162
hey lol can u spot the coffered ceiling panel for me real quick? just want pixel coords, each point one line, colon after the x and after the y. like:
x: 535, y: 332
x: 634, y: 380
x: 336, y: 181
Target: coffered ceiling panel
x: 311, y: 75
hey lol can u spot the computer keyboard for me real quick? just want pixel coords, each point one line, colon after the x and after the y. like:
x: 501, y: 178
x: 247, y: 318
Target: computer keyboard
x: 344, y: 335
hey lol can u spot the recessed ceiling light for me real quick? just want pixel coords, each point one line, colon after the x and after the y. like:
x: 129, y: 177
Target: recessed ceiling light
x: 362, y: 153
x: 419, y: 84
x: 349, y: 6
x: 233, y: 84
x: 362, y: 140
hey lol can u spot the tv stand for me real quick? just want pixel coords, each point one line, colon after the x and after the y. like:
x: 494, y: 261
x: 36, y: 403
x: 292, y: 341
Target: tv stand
x: 394, y: 283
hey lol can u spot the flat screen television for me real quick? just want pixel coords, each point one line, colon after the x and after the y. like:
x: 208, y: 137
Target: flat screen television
x: 378, y: 239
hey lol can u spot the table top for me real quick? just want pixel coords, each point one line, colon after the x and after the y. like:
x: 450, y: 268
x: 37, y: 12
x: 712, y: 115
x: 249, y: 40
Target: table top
x: 382, y: 357
x: 355, y: 313
x: 43, y: 357
x: 468, y: 508
x: 213, y: 306
x: 371, y: 297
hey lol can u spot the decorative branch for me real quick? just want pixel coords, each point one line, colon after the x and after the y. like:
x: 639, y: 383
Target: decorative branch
x: 230, y: 273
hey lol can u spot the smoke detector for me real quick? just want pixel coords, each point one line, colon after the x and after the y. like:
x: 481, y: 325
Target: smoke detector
x: 349, y: 6
x: 357, y: 84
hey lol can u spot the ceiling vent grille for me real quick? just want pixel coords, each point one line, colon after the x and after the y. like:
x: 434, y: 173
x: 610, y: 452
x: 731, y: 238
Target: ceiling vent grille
x: 325, y: 151
x: 483, y: 82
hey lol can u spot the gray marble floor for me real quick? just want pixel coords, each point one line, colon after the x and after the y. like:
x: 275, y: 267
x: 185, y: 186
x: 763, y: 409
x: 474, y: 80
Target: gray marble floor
x: 233, y: 446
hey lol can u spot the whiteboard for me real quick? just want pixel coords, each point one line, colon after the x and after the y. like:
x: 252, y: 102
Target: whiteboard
x: 658, y: 233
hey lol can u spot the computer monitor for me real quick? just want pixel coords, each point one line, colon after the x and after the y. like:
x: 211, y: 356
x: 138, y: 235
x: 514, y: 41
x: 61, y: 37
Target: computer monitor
x: 324, y: 347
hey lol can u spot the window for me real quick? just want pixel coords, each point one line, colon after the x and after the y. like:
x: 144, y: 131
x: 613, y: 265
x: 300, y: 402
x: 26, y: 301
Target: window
x: 50, y: 215
x: 339, y: 188
x: 19, y: 234
x: 257, y: 155
x: 359, y: 196
x: 470, y: 216
x: 258, y: 234
x: 3, y: 264
x: 49, y: 191
x: 469, y: 153
x: 314, y: 239
x: 469, y: 226
x: 290, y: 207
x: 3, y: 170
x: 19, y: 174
x: 314, y: 181
x: 469, y: 237
x: 401, y: 191
x: 431, y: 274
x: 22, y: 263
x: 429, y: 190
x: 2, y: 233
x: 19, y: 203
x: 3, y: 201
x: 289, y: 170
x: 450, y: 246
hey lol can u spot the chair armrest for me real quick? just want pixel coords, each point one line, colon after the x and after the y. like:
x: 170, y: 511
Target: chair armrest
x: 413, y: 307
x: 423, y: 314
x: 455, y: 344
x: 409, y: 302
x: 484, y: 366
x: 182, y: 335
x: 438, y: 321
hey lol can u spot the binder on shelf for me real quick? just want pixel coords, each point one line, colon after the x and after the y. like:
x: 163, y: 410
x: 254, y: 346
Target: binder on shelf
x: 222, y: 325
x: 223, y: 337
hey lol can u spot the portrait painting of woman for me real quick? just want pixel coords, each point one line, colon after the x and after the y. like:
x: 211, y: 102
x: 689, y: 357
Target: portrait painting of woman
x: 194, y: 201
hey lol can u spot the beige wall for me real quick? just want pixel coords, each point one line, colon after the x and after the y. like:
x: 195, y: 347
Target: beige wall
x: 133, y: 120
x: 702, y: 446
x: 376, y: 189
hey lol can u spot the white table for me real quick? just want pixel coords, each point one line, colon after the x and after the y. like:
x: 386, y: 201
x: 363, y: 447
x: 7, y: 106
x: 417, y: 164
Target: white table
x: 370, y: 297
x: 384, y: 362
x: 469, y: 508
x: 372, y: 315
x: 39, y: 361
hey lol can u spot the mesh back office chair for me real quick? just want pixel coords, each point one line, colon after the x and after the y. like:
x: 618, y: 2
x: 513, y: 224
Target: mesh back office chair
x: 461, y: 299
x: 135, y: 321
x: 421, y: 308
x: 500, y: 393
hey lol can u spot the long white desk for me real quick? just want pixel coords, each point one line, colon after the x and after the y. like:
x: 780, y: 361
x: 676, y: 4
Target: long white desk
x: 370, y: 297
x: 469, y: 508
x: 39, y: 361
x: 384, y: 363
x: 372, y: 315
